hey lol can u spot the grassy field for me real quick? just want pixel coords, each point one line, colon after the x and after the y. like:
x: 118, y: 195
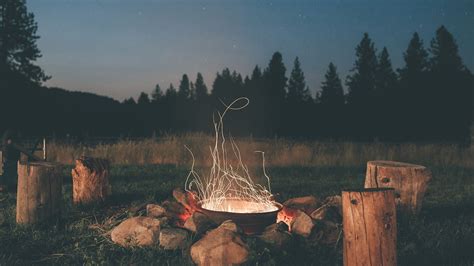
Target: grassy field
x: 442, y: 234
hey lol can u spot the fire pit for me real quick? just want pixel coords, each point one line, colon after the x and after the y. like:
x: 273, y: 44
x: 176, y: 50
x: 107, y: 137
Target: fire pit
x: 244, y: 214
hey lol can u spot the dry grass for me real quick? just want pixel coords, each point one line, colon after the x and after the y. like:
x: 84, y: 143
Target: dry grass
x: 278, y: 152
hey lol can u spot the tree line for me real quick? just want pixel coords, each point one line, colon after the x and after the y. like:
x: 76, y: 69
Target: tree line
x: 429, y: 99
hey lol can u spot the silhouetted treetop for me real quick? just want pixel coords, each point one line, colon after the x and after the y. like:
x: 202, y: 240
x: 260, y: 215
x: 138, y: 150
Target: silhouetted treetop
x: 157, y: 93
x: 332, y: 93
x: 445, y: 52
x: 361, y: 83
x: 297, y: 90
x: 184, y: 90
x: 18, y: 49
x: 143, y: 99
x: 201, y: 88
x: 416, y: 58
x: 385, y: 78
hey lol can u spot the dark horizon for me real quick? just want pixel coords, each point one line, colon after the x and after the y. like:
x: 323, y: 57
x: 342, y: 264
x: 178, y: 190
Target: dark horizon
x: 120, y: 48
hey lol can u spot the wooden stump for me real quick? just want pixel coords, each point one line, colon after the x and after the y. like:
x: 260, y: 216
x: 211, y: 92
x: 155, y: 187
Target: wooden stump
x: 370, y: 227
x: 410, y: 182
x: 90, y: 180
x: 39, y: 196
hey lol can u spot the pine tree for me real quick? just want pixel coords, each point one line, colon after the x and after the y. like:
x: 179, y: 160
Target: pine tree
x: 143, y: 99
x: 385, y: 78
x: 18, y: 49
x: 297, y: 90
x: 274, y: 94
x: 451, y: 89
x: 445, y: 52
x: 416, y: 60
x: 201, y: 88
x: 157, y: 94
x: 275, y: 79
x: 332, y: 93
x: 184, y: 91
x: 361, y: 83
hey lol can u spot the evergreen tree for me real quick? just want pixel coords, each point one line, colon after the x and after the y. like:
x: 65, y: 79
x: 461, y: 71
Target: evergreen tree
x: 451, y: 88
x: 201, y: 88
x: 184, y: 91
x: 157, y: 94
x: 171, y: 91
x: 143, y: 99
x: 18, y: 49
x: 273, y: 95
x: 129, y: 101
x: 192, y: 91
x: 385, y: 78
x: 416, y: 60
x: 361, y: 83
x: 275, y: 79
x: 332, y: 93
x: 297, y: 90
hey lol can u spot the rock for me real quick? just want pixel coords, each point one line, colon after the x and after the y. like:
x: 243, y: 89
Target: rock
x: 176, y: 212
x: 137, y: 231
x: 327, y: 212
x: 173, y: 238
x: 326, y: 232
x: 187, y: 199
x: 334, y: 201
x: 276, y: 234
x: 198, y: 223
x: 220, y: 246
x: 307, y: 204
x: 302, y: 224
x: 230, y: 225
x: 155, y: 211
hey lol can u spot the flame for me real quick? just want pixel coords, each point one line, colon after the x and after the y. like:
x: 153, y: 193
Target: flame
x: 228, y: 187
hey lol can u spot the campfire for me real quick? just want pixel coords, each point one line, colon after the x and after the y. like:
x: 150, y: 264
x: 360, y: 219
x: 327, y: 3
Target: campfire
x: 229, y: 192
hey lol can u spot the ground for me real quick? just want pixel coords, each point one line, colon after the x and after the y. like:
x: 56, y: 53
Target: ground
x: 442, y: 234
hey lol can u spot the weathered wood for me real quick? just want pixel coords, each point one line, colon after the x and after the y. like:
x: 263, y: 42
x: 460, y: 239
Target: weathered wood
x: 370, y: 227
x: 90, y: 180
x: 39, y: 192
x: 410, y: 182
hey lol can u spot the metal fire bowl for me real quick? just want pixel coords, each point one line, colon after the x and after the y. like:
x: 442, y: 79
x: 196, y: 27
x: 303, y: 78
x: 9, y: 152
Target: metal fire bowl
x: 251, y: 223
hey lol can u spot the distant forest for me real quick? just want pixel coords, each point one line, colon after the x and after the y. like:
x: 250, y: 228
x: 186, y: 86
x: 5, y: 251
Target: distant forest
x: 429, y: 99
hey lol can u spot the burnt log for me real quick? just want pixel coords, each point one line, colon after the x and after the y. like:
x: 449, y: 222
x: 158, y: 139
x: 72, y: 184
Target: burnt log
x: 90, y: 180
x: 370, y: 227
x: 410, y: 182
x: 39, y: 192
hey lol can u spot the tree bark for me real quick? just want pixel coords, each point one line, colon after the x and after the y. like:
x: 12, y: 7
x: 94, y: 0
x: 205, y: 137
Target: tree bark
x: 410, y: 182
x: 370, y: 227
x: 90, y: 180
x: 39, y: 196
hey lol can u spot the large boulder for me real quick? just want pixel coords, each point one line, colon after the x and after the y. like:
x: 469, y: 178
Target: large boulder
x: 155, y: 210
x: 198, y: 223
x: 221, y: 246
x: 173, y: 238
x: 302, y: 224
x: 307, y: 204
x: 327, y: 212
x: 137, y: 231
x: 276, y: 234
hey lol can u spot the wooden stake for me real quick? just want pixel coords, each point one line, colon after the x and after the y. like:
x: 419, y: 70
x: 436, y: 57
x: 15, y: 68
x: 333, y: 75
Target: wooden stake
x: 370, y: 227
x: 90, y: 180
x: 39, y: 194
x: 410, y: 182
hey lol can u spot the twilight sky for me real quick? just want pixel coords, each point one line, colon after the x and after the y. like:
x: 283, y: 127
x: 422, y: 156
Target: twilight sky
x: 122, y: 47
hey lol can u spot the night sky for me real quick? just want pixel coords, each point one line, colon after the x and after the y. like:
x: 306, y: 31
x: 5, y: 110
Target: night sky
x: 122, y: 47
